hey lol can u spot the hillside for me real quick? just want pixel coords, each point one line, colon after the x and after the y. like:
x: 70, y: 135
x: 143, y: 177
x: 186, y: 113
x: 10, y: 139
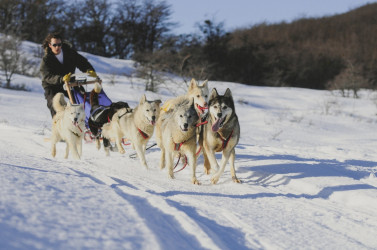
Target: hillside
x: 334, y: 52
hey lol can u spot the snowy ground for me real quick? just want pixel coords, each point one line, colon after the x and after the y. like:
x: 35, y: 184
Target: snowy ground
x: 307, y: 160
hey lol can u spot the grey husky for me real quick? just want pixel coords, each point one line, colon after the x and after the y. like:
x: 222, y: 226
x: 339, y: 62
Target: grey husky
x: 176, y: 134
x: 221, y: 134
x: 68, y: 125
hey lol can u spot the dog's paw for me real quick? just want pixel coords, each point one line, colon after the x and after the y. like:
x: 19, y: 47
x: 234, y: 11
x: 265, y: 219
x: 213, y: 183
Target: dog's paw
x: 236, y: 180
x: 171, y: 176
x: 214, y: 179
x: 122, y: 151
x: 195, y: 181
x: 98, y: 144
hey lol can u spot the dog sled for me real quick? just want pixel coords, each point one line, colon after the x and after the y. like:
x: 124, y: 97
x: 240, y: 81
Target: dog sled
x: 78, y: 94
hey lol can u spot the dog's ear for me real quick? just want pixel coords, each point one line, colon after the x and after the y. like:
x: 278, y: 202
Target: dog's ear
x: 143, y: 99
x: 158, y: 102
x: 214, y: 94
x: 228, y: 93
x: 205, y: 83
x: 193, y: 84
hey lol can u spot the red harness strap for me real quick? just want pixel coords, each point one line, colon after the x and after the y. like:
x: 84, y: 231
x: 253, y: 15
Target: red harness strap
x: 143, y: 134
x: 177, y: 146
x: 225, y: 141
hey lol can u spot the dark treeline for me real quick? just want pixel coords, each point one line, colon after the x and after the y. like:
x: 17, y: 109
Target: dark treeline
x: 330, y: 52
x: 117, y: 30
x: 337, y: 52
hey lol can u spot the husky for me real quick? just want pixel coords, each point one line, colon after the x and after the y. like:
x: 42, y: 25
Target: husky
x: 99, y: 115
x: 221, y: 134
x: 176, y: 134
x: 200, y: 94
x: 68, y: 125
x: 138, y: 126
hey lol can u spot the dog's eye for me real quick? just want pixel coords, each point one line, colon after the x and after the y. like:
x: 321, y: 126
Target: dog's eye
x: 198, y: 96
x: 225, y: 107
x: 206, y: 96
x: 155, y: 110
x: 181, y: 116
x: 215, y: 106
x: 147, y: 110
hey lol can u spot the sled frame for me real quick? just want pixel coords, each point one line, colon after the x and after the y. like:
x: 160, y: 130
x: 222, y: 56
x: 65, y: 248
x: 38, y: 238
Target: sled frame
x: 69, y: 85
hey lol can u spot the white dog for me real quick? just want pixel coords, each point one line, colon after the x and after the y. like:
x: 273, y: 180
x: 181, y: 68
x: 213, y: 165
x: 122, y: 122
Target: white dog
x: 68, y: 125
x: 138, y: 126
x: 200, y: 93
x: 176, y: 133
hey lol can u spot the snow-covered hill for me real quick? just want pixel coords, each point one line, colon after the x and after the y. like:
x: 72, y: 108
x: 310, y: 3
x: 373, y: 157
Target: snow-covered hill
x: 307, y: 160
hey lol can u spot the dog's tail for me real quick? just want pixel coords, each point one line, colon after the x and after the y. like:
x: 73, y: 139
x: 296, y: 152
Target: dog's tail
x: 111, y: 129
x: 58, y: 102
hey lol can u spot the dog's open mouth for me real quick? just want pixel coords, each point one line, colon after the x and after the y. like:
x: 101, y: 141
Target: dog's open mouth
x: 201, y: 109
x: 153, y: 122
x: 184, y: 129
x: 218, y: 124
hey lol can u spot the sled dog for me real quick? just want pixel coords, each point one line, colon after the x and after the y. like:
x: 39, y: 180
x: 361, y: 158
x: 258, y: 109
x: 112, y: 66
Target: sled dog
x: 138, y: 126
x: 68, y: 125
x: 221, y: 134
x: 99, y: 115
x: 200, y: 94
x: 176, y: 134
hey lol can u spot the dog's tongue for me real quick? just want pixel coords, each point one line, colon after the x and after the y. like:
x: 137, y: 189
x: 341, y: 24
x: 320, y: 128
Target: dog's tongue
x: 216, y: 125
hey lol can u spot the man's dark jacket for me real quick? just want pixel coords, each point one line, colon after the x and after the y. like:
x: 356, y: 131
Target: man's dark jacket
x: 53, y: 71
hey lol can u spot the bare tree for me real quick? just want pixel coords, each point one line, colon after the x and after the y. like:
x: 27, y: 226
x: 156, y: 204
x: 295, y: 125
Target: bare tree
x: 9, y: 57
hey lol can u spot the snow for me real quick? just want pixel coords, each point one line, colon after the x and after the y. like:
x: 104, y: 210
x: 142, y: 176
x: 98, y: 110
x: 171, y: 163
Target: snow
x: 307, y: 160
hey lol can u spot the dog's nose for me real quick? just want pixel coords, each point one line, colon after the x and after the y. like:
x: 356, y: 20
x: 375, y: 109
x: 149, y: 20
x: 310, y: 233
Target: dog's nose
x: 219, y: 114
x: 153, y: 118
x: 185, y: 125
x: 205, y: 104
x: 75, y: 119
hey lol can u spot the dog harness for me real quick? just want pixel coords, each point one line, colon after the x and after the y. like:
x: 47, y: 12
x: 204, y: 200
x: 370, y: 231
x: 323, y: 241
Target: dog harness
x: 98, y: 112
x: 225, y: 141
x: 177, y: 146
x: 143, y: 134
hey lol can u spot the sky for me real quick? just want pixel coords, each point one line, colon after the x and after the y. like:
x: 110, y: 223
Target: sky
x: 245, y: 13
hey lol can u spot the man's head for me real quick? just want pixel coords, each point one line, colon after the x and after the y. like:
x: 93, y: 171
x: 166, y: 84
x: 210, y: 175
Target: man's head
x: 54, y: 42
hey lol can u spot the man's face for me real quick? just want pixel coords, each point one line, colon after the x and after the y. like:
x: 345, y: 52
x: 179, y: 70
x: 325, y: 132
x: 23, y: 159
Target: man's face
x: 56, y: 46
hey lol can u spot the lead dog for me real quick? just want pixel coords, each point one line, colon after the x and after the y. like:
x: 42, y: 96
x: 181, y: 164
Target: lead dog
x: 68, y: 125
x: 221, y: 134
x: 195, y: 91
x: 138, y: 126
x: 176, y: 134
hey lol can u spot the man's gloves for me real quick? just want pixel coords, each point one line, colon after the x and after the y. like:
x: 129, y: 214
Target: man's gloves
x: 92, y: 73
x: 67, y: 77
